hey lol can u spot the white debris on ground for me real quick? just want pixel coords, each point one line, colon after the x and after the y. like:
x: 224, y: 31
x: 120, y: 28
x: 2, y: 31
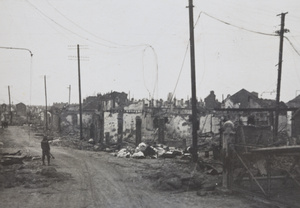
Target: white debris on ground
x: 138, y: 155
x: 147, y: 151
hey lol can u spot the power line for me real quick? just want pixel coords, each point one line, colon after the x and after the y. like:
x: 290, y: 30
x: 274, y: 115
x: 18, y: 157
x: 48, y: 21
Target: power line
x: 156, y: 81
x: 290, y: 42
x: 184, y: 57
x: 143, y: 69
x: 182, y: 64
x: 239, y: 27
x: 156, y: 61
x: 81, y: 36
x: 89, y: 31
x: 227, y: 23
x: 63, y: 26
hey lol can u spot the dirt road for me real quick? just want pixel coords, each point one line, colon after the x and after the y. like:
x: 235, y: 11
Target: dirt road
x: 97, y: 179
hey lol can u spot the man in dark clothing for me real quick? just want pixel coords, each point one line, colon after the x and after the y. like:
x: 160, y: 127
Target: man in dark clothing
x: 45, y: 150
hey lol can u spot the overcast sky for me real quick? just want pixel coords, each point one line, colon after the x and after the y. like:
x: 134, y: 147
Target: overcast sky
x: 139, y: 46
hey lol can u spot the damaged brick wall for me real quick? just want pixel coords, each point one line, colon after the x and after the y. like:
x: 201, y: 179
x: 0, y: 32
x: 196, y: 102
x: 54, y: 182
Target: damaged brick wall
x: 129, y: 124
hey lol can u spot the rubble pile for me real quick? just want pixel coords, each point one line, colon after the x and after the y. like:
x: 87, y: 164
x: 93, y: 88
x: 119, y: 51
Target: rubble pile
x: 178, y: 175
x: 27, y: 172
x: 144, y: 150
x: 173, y: 170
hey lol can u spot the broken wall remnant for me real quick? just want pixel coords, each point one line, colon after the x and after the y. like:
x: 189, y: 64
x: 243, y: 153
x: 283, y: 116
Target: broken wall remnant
x: 21, y: 109
x: 120, y: 127
x: 138, y: 136
x: 86, y: 118
x: 69, y: 120
x: 107, y: 138
x: 111, y: 123
x: 179, y: 126
x: 161, y: 130
x: 55, y: 123
x: 209, y: 123
x: 148, y: 122
x: 97, y: 127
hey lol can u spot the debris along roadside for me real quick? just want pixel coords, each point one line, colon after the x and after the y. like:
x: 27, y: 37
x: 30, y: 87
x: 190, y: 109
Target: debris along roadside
x: 175, y: 172
x: 18, y: 169
x: 171, y: 169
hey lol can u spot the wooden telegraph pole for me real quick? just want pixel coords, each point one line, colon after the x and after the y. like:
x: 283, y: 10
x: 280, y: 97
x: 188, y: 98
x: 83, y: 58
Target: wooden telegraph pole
x: 193, y: 84
x: 281, y: 34
x: 46, y: 111
x: 9, y: 106
x: 79, y: 86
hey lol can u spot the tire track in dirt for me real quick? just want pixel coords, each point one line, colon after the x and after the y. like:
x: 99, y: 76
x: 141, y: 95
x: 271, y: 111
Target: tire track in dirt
x: 116, y: 184
x: 97, y: 180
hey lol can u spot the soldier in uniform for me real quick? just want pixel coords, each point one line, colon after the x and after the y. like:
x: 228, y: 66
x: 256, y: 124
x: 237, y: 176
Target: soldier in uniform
x: 45, y: 150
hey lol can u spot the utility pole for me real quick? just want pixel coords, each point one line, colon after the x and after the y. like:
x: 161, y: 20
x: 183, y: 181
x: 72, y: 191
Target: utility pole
x: 9, y: 106
x: 69, y: 94
x: 79, y: 86
x: 193, y: 84
x: 281, y: 34
x: 46, y: 111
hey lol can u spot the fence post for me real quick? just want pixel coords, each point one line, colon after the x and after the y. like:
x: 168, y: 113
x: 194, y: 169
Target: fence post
x: 227, y: 139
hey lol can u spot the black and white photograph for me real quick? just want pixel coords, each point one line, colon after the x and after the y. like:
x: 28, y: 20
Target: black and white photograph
x: 149, y: 103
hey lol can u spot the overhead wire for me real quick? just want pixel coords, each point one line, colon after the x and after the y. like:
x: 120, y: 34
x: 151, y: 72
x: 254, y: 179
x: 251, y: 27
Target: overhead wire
x: 74, y: 33
x: 156, y: 81
x: 290, y: 42
x: 183, y: 61
x: 119, y: 46
x: 293, y: 49
x: 294, y: 38
x: 224, y: 22
x: 143, y: 69
x: 123, y: 45
x: 239, y: 27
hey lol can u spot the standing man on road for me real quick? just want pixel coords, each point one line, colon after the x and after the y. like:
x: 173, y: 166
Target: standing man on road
x: 45, y: 150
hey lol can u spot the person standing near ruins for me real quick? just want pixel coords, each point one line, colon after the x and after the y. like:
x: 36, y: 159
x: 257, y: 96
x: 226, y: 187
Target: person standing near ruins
x: 45, y: 150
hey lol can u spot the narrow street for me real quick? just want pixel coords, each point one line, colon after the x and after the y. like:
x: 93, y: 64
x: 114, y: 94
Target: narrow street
x: 96, y: 179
